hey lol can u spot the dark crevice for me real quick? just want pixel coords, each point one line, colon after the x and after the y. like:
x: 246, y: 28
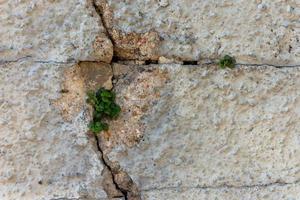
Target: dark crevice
x: 100, y: 13
x: 190, y: 62
x: 147, y: 62
x: 115, y: 59
x: 127, y: 193
x: 150, y: 62
x: 267, y: 65
x: 2, y: 62
x: 109, y: 168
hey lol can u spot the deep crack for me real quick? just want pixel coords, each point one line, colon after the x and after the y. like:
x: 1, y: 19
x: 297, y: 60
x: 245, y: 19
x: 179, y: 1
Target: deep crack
x: 109, y: 168
x: 150, y: 62
x: 118, y: 180
x: 124, y: 184
x: 100, y: 13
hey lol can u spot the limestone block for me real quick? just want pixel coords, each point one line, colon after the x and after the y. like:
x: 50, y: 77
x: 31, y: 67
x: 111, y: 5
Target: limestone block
x: 253, y: 31
x: 52, y: 30
x: 42, y: 155
x: 202, y: 132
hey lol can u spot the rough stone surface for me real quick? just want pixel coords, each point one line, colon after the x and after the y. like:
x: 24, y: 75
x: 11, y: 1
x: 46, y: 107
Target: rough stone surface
x: 185, y: 132
x: 45, y: 151
x: 43, y: 156
x: 128, y: 46
x: 258, y: 31
x: 257, y: 193
x: 52, y: 30
x: 215, y: 134
x: 140, y: 91
x: 96, y: 74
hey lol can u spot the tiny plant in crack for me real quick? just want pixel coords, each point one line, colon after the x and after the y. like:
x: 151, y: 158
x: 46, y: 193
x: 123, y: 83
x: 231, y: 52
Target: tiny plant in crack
x: 104, y: 107
x: 227, y: 62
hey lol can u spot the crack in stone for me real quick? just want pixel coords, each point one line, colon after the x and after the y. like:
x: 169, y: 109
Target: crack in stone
x: 152, y: 62
x: 109, y: 168
x: 122, y: 180
x: 55, y: 62
x: 3, y: 62
x: 127, y: 46
x: 254, y: 65
x: 104, y: 24
x: 224, y: 186
x: 268, y: 65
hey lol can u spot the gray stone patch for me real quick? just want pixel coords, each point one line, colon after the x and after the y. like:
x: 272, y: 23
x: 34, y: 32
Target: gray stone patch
x: 213, y: 129
x: 255, y: 32
x: 52, y: 31
x: 42, y: 156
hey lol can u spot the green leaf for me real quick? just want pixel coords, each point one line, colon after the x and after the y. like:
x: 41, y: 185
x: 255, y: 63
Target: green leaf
x: 115, y: 110
x: 97, y: 127
x: 92, y: 99
x: 97, y: 116
x: 105, y: 126
x: 106, y: 100
x: 106, y: 93
x: 103, y: 102
x: 99, y: 107
x: 227, y: 61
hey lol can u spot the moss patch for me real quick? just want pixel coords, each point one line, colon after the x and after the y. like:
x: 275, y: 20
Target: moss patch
x: 227, y: 62
x: 103, y: 102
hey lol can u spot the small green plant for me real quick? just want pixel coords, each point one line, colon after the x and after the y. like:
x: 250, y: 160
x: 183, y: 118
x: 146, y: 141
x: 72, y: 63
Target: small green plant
x: 227, y: 61
x: 103, y: 102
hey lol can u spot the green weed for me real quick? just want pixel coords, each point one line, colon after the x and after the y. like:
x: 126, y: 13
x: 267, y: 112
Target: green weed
x: 227, y: 61
x: 103, y: 102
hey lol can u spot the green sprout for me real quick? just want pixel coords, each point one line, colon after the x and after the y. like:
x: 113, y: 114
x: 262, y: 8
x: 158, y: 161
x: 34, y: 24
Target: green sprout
x: 103, y: 102
x: 227, y: 61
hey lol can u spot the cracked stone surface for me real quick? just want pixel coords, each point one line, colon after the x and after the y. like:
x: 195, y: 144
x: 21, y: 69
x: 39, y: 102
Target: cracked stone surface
x: 128, y: 46
x: 185, y: 132
x: 43, y: 156
x: 215, y: 134
x: 261, y: 31
x: 257, y: 193
x: 45, y: 151
x: 52, y: 30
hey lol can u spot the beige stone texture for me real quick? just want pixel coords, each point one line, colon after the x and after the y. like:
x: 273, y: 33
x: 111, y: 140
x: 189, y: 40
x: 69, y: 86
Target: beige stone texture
x: 51, y: 30
x: 185, y: 131
x: 42, y: 155
x: 212, y: 133
x: 45, y: 151
x: 96, y: 75
x: 262, y: 31
x: 128, y: 46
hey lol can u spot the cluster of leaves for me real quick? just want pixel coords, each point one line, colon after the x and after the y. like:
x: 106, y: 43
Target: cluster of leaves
x: 103, y: 102
x: 227, y: 61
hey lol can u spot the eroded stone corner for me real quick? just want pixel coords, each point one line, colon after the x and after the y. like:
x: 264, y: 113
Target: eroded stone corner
x: 129, y: 127
x: 138, y: 89
x: 128, y: 46
x: 79, y: 79
x: 121, y: 181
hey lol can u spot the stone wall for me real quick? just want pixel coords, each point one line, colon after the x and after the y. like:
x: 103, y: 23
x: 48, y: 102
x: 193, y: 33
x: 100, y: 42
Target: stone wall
x: 45, y: 151
x: 253, y: 31
x: 185, y: 131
